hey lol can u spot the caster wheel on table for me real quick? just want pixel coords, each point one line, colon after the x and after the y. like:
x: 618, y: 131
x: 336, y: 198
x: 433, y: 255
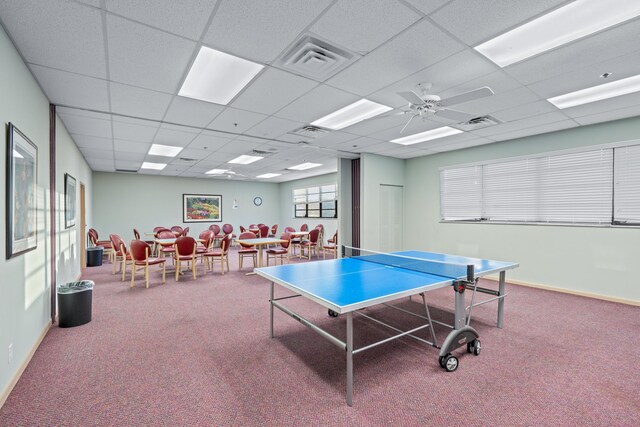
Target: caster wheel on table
x: 474, y: 347
x: 450, y: 363
x: 441, y: 361
x: 333, y: 313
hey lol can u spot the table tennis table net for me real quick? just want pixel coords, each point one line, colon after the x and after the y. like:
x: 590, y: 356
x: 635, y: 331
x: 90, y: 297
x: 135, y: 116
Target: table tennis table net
x: 438, y: 268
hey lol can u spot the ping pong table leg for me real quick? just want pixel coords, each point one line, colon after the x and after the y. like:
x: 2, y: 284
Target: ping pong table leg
x: 350, y: 359
x: 460, y: 316
x: 271, y: 309
x: 501, y: 300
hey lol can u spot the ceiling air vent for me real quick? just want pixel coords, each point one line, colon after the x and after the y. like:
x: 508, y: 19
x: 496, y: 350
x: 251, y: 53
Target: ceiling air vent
x: 309, y: 131
x: 127, y: 170
x: 481, y: 122
x: 263, y: 153
x: 186, y: 159
x: 315, y: 58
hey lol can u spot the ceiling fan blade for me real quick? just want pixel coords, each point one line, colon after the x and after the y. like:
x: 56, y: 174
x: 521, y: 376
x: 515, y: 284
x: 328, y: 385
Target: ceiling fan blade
x: 457, y: 116
x: 405, y: 126
x: 412, y: 97
x: 467, y: 96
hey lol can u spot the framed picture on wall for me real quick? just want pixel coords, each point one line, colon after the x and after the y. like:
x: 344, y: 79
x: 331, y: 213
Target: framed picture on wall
x: 22, y: 209
x: 69, y: 201
x: 201, y: 208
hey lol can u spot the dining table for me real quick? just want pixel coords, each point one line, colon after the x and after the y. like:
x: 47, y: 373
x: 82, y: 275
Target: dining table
x: 260, y: 243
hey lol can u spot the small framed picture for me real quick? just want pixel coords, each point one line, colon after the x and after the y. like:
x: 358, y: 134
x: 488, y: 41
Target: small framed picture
x: 69, y: 201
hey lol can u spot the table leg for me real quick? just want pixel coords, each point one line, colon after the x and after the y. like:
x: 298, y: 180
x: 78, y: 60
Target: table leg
x: 271, y: 309
x: 501, y: 300
x: 260, y: 261
x: 460, y: 316
x: 350, y: 358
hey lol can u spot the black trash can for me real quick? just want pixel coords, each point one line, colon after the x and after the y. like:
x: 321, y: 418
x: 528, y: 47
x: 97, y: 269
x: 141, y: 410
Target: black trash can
x: 94, y: 256
x: 74, y: 303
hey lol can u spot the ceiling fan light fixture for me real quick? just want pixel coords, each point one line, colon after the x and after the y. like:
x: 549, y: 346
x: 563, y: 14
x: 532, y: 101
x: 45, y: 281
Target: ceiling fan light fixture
x: 268, y: 175
x: 351, y: 114
x: 426, y: 136
x: 164, y: 150
x: 304, y: 166
x: 597, y: 93
x: 245, y: 160
x: 571, y: 22
x: 156, y: 166
x: 216, y: 172
x: 217, y: 76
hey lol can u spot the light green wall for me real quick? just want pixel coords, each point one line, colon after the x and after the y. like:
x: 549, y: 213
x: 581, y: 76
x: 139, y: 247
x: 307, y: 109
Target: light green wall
x: 25, y: 308
x: 123, y: 201
x: 597, y: 260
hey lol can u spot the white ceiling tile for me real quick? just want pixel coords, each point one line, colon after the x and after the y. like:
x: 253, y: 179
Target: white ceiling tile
x: 459, y: 145
x: 499, y: 101
x: 134, y: 157
x: 604, y: 105
x: 72, y: 111
x: 211, y: 142
x: 133, y: 132
x: 609, y: 115
x: 418, y: 47
x: 355, y: 24
x: 316, y: 104
x: 527, y: 110
x: 377, y: 124
x: 263, y: 33
x: 475, y: 21
x: 173, y: 137
x: 498, y: 81
x: 137, y: 102
x: 194, y: 153
x: 550, y: 127
x: 145, y: 57
x: 236, y: 121
x: 96, y: 154
x: 525, y: 123
x: 426, y: 6
x: 122, y: 146
x: 272, y: 90
x: 65, y: 88
x: 87, y: 141
x: 87, y: 125
x: 239, y: 147
x: 128, y: 165
x: 186, y: 17
x: 57, y: 34
x: 192, y: 112
x: 273, y: 127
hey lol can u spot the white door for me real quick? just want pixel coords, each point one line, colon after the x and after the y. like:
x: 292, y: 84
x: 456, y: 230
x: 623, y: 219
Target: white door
x: 391, y: 214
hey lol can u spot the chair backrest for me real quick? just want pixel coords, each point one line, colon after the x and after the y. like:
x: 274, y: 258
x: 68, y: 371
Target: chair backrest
x: 118, y: 244
x: 227, y: 228
x: 289, y: 230
x: 304, y: 227
x: 176, y: 228
x: 313, y: 235
x: 264, y: 231
x: 158, y: 228
x: 261, y: 224
x: 215, y: 228
x: 274, y: 228
x: 166, y: 234
x: 242, y: 229
x: 185, y: 232
x: 208, y: 240
x: 185, y: 245
x: 334, y: 239
x: 136, y: 234
x: 204, y: 234
x: 139, y: 249
x: 287, y: 237
x: 246, y: 235
x: 92, y: 237
x: 253, y: 226
x: 225, y: 243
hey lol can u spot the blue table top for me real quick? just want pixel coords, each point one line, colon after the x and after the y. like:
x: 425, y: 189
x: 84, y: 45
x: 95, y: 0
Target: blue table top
x: 348, y: 284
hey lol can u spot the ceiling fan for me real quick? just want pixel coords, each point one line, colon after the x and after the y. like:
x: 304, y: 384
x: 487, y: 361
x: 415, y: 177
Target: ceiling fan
x: 425, y: 104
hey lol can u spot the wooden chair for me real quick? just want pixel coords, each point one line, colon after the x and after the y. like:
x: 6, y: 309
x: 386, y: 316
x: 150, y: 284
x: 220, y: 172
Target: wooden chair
x: 228, y: 229
x: 331, y: 246
x: 104, y: 244
x: 185, y: 247
x: 136, y: 235
x: 282, y: 251
x: 247, y: 250
x: 220, y: 253
x: 140, y: 251
x: 120, y: 254
x: 310, y: 244
x: 216, y: 232
x: 166, y: 248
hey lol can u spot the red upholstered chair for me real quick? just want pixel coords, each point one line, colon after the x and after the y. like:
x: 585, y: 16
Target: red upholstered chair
x: 310, y: 244
x: 242, y: 229
x: 216, y: 232
x: 177, y: 230
x: 228, y: 229
x: 104, y: 244
x: 136, y: 235
x: 158, y: 228
x: 205, y: 241
x: 280, y: 252
x: 220, y: 253
x: 120, y: 253
x: 185, y: 247
x: 140, y: 252
x: 331, y: 246
x: 166, y: 248
x: 253, y: 226
x: 247, y: 250
x: 304, y: 227
x: 264, y: 231
x: 274, y: 230
x: 297, y: 241
x: 321, y: 235
x: 185, y: 232
x: 289, y: 230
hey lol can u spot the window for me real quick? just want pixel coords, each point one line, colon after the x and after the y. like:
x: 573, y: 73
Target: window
x: 566, y: 188
x: 315, y: 202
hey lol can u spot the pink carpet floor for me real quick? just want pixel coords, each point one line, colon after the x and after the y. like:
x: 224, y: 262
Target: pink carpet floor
x: 198, y: 352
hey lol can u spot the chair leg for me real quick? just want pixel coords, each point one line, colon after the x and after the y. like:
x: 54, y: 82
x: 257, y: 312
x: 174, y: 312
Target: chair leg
x: 133, y: 275
x: 124, y: 268
x: 164, y: 269
x: 193, y: 267
x: 178, y: 263
x: 146, y: 275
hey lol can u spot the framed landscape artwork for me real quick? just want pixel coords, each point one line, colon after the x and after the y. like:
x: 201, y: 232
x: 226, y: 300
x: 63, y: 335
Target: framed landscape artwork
x: 201, y: 208
x: 69, y: 201
x: 21, y: 203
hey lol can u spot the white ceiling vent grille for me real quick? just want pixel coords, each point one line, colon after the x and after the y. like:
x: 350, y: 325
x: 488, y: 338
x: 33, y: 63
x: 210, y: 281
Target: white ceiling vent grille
x: 309, y: 132
x: 314, y: 58
x: 263, y: 153
x: 480, y: 122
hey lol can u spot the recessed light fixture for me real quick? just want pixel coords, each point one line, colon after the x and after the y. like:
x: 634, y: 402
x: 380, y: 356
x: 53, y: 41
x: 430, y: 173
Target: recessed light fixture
x: 576, y: 20
x: 426, y: 136
x: 597, y: 93
x: 216, y: 171
x: 351, y: 114
x: 268, y: 175
x: 245, y: 160
x: 164, y: 150
x: 217, y: 76
x: 304, y: 166
x: 156, y: 166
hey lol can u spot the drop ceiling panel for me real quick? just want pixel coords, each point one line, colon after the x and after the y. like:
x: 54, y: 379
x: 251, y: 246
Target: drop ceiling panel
x: 122, y: 146
x: 264, y: 32
x: 134, y: 157
x: 550, y: 127
x: 373, y: 126
x: 133, y: 132
x: 58, y: 34
x: 211, y: 142
x: 527, y: 110
x: 475, y: 21
x: 609, y: 115
x: 86, y: 141
x: 236, y: 121
x: 65, y: 88
x: 498, y: 102
x: 397, y: 59
x: 186, y: 18
x: 316, y: 104
x: 87, y: 126
x: 273, y: 90
x: 528, y: 122
x: 137, y: 102
x: 145, y: 57
x: 96, y: 154
x: 123, y: 164
x: 426, y: 7
x: 355, y: 24
x: 173, y: 137
x: 459, y: 145
x: 239, y: 147
x: 193, y: 153
x: 272, y: 127
x: 498, y: 81
x: 192, y: 112
x: 71, y: 111
x: 604, y: 105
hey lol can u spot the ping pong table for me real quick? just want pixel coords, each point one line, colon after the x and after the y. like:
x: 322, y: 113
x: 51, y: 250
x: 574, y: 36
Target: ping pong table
x: 362, y: 279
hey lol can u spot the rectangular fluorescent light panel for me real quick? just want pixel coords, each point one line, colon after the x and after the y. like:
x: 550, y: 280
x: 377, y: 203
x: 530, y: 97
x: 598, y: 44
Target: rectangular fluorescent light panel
x: 351, y: 114
x: 216, y: 172
x: 164, y: 150
x: 217, y: 76
x: 597, y: 93
x: 426, y: 136
x: 268, y: 175
x: 571, y: 22
x: 304, y: 166
x: 245, y: 160
x: 157, y: 166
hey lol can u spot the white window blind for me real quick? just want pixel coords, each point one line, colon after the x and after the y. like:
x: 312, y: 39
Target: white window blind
x: 627, y: 185
x: 461, y: 193
x: 510, y: 191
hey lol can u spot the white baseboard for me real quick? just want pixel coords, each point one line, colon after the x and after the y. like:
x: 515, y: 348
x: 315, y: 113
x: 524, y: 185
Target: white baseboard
x: 7, y: 391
